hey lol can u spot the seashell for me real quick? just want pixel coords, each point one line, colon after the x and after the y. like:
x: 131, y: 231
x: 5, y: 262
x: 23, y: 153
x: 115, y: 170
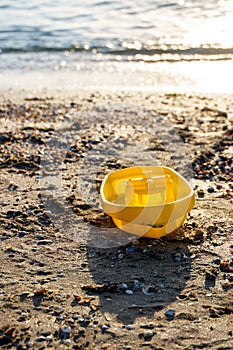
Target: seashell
x: 147, y: 290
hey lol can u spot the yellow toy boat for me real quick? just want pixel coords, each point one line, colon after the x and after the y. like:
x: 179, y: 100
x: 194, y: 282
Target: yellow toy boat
x: 150, y: 201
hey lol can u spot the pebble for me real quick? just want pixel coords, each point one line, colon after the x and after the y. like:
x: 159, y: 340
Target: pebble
x: 226, y: 284
x: 67, y: 341
x: 4, y: 237
x: 104, y: 328
x: 129, y: 291
x: 224, y: 266
x: 41, y: 339
x: 170, y: 313
x: 75, y: 317
x: 21, y: 234
x: 130, y: 250
x: 210, y: 189
x: 177, y: 260
x: 230, y: 278
x: 147, y: 290
x: 44, y: 242
x: 200, y: 194
x: 129, y: 326
x: 182, y: 297
x: 66, y: 329
x: 149, y: 334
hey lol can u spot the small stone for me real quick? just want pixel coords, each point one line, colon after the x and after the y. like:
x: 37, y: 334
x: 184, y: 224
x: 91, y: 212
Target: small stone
x: 193, y: 296
x: 200, y: 193
x: 149, y: 334
x: 104, y: 328
x: 230, y: 278
x: 129, y: 291
x: 67, y: 341
x: 216, y: 261
x: 130, y: 250
x: 224, y: 266
x: 66, y: 329
x: 211, y: 276
x: 210, y: 189
x: 40, y: 339
x: 44, y: 242
x: 176, y: 259
x: 170, y: 313
x: 182, y: 297
x: 75, y: 317
x: 226, y: 284
x: 21, y: 234
x: 129, y: 326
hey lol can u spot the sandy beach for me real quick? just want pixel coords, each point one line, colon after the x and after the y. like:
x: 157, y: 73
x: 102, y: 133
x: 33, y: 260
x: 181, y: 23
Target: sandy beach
x: 59, y: 289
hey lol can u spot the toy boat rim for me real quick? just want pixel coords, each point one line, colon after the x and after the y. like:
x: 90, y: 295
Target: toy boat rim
x: 190, y: 195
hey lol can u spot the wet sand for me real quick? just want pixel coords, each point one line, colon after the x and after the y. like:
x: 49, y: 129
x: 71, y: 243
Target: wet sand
x: 59, y: 289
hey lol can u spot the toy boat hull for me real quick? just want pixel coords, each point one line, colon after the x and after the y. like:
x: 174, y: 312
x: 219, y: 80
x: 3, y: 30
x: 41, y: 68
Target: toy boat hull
x: 150, y: 201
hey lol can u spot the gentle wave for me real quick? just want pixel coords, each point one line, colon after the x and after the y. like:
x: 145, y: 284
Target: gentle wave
x: 174, y: 53
x: 150, y: 31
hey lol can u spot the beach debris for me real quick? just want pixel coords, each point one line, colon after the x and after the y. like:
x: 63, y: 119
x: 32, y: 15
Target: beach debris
x: 193, y: 296
x: 77, y: 297
x: 87, y: 300
x: 94, y: 307
x: 40, y: 291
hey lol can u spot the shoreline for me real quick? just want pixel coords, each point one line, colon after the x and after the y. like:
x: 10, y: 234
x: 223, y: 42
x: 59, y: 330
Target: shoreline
x: 195, y: 77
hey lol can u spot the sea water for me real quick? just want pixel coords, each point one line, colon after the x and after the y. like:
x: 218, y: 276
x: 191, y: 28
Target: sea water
x: 139, y: 44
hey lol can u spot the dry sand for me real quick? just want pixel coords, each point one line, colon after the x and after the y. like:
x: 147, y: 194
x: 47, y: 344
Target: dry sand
x: 57, y: 289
